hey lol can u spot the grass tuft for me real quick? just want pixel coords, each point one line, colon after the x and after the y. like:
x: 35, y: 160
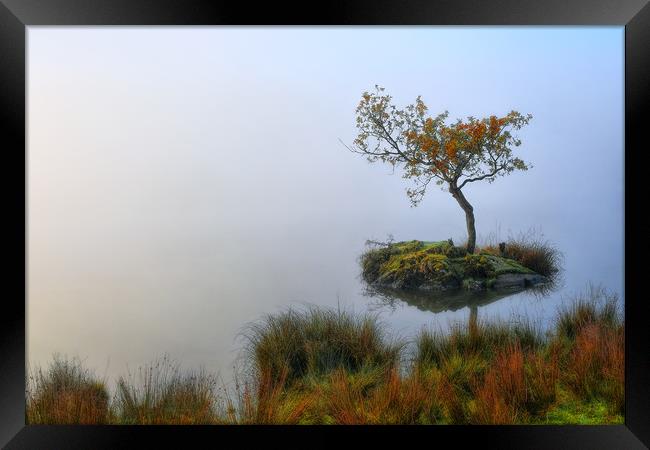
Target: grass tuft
x: 475, y: 338
x: 314, y: 342
x: 161, y: 394
x: 594, y: 305
x: 66, y: 393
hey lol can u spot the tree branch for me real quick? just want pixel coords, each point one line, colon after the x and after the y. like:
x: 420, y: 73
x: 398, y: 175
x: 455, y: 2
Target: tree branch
x: 482, y: 177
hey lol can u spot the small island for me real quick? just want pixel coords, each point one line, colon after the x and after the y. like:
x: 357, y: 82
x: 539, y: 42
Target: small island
x: 452, y: 156
x: 440, y: 265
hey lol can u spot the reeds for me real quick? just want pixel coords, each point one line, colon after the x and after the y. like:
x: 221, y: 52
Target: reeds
x: 161, y: 394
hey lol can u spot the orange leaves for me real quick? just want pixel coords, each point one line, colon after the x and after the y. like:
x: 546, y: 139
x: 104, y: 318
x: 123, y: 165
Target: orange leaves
x: 470, y: 135
x: 426, y: 147
x: 443, y: 148
x: 427, y: 144
x: 496, y: 124
x: 428, y: 125
x: 420, y: 107
x: 440, y: 166
x: 424, y: 141
x: 451, y: 149
x: 478, y: 132
x: 474, y: 130
x: 410, y: 135
x: 365, y: 100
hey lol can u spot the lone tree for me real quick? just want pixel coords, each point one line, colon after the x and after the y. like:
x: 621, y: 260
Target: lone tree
x: 429, y: 150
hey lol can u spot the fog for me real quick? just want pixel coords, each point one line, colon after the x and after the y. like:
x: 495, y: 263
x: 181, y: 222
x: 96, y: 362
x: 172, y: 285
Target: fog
x: 183, y: 182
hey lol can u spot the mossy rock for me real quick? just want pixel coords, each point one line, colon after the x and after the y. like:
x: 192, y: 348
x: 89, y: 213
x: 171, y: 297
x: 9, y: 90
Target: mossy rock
x: 440, y: 265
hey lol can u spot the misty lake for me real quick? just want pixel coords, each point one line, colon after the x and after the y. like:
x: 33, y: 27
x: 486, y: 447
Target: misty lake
x: 182, y: 183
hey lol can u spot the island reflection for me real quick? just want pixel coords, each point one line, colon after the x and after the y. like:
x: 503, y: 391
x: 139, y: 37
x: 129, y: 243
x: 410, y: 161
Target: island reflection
x: 450, y: 300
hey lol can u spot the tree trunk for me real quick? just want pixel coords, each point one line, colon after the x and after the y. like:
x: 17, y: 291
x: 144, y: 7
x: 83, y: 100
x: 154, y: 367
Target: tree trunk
x: 469, y: 216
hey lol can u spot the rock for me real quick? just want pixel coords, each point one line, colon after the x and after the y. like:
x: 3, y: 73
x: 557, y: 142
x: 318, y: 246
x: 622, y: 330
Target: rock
x: 505, y: 281
x: 439, y: 286
x: 518, y: 280
x: 474, y: 285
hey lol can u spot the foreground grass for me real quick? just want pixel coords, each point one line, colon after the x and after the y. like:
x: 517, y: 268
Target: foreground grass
x: 328, y: 367
x: 161, y: 394
x: 66, y: 394
x: 312, y: 343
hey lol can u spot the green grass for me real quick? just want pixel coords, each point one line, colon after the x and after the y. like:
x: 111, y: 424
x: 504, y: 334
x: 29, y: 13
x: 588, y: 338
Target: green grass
x: 501, y: 265
x: 572, y: 410
x: 475, y: 338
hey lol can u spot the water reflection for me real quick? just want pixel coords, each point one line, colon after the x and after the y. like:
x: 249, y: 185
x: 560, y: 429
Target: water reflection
x: 452, y: 300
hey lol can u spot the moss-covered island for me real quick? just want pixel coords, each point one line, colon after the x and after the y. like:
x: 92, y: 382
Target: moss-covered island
x: 441, y: 265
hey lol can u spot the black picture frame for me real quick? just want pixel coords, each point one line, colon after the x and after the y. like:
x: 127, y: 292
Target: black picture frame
x: 16, y: 15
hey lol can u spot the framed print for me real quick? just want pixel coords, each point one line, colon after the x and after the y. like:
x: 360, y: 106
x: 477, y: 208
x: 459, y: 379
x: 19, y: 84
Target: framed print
x: 366, y: 220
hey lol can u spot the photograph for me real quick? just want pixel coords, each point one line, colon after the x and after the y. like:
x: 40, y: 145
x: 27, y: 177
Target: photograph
x: 359, y: 225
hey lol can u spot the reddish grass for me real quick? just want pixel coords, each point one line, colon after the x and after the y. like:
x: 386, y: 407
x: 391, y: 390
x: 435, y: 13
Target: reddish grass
x: 517, y: 386
x: 397, y: 400
x: 450, y: 397
x: 596, y: 364
x: 542, y: 376
x: 66, y: 394
x: 84, y: 406
x: 502, y: 393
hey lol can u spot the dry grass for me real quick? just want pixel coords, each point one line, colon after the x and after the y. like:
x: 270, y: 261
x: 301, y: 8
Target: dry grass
x: 161, y: 394
x: 66, y: 393
x: 394, y: 400
x: 596, y: 365
x: 501, y: 394
x: 517, y: 386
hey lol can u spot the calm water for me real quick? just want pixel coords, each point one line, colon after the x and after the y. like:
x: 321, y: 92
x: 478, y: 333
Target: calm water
x: 183, y: 182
